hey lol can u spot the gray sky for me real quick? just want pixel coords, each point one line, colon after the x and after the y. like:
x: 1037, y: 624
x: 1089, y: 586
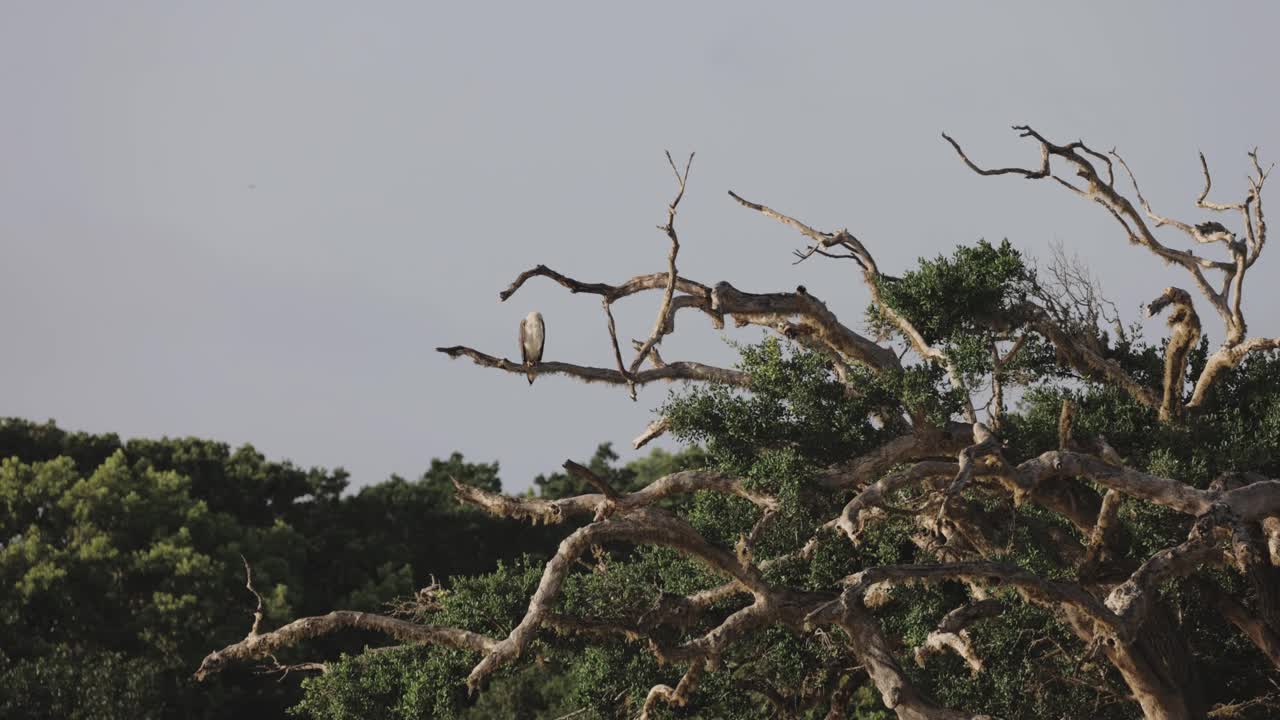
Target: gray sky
x: 253, y: 221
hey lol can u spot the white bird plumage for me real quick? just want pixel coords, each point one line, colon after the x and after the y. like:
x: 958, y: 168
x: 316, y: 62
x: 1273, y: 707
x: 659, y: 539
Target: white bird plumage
x: 533, y: 336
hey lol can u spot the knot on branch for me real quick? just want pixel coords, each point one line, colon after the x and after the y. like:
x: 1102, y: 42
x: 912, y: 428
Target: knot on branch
x: 533, y: 509
x: 1219, y: 515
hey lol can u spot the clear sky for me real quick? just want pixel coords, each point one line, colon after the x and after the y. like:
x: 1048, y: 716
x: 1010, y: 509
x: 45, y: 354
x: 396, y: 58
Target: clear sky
x: 254, y: 221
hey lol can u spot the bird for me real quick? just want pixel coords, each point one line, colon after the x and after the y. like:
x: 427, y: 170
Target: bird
x: 532, y: 337
x: 1211, y: 231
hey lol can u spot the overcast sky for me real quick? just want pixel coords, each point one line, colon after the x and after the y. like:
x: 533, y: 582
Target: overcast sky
x: 254, y: 221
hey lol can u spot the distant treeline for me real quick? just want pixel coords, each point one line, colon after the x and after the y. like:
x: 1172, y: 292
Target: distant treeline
x: 121, y: 562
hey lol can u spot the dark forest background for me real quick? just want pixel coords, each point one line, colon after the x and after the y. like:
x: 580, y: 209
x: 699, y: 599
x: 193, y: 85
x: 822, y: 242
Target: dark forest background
x: 123, y: 563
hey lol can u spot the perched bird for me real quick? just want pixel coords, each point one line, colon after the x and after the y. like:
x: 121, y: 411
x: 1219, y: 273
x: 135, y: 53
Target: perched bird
x: 1208, y: 232
x: 532, y: 337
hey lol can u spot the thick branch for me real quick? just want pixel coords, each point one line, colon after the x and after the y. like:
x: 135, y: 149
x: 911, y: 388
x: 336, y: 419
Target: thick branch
x: 1102, y: 537
x: 669, y: 372
x: 774, y: 310
x: 1051, y: 594
x: 1185, y: 324
x: 851, y: 520
x: 557, y: 511
x: 1135, y: 483
x: 875, y: 654
x: 951, y: 633
x: 1132, y: 599
x: 611, y: 293
x: 256, y: 647
x: 871, y: 277
x: 923, y: 443
x: 640, y: 526
x: 1224, y: 359
x: 677, y: 696
x: 1258, y: 632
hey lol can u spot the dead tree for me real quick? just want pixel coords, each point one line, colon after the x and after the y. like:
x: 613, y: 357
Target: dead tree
x: 1233, y: 524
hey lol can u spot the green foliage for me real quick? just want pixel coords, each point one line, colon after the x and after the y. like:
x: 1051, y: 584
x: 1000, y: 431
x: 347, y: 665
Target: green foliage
x: 795, y: 418
x: 944, y: 297
x: 79, y: 685
x: 121, y: 566
x: 951, y: 301
x: 794, y: 403
x: 125, y: 556
x: 628, y: 478
x: 423, y: 681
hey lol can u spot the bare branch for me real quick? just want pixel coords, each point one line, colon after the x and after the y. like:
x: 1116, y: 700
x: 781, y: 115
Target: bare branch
x: 556, y: 511
x: 640, y: 526
x: 1102, y: 536
x: 612, y: 293
x: 1050, y: 594
x: 655, y: 336
x: 1039, y: 174
x: 1104, y: 193
x: 592, y: 479
x: 256, y: 647
x: 1223, y: 359
x: 672, y: 371
x: 677, y: 696
x: 871, y: 277
x: 617, y: 352
x: 655, y: 429
x: 248, y: 583
x: 951, y: 633
x: 1202, y: 200
x: 923, y: 443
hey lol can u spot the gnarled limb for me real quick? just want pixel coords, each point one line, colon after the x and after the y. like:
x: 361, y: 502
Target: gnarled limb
x: 923, y: 442
x: 655, y: 429
x: 1185, y: 324
x: 655, y: 336
x: 1102, y: 536
x: 261, y: 645
x: 896, y: 690
x: 1226, y: 301
x: 611, y: 293
x: 951, y: 633
x: 1224, y: 359
x: 640, y: 526
x: 1132, y: 599
x: 1259, y: 633
x: 822, y: 242
x: 852, y: 521
x: 557, y: 511
x: 677, y: 696
x: 1134, y: 483
x: 669, y: 373
x: 1050, y: 594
